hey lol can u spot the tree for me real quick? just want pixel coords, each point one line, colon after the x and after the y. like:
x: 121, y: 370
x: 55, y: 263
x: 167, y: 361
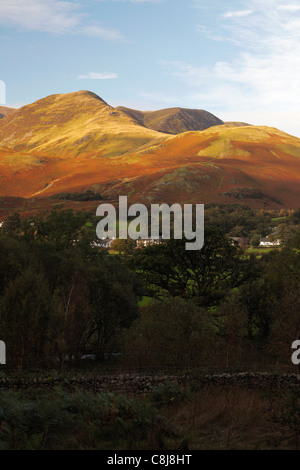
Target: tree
x: 286, y: 324
x: 296, y: 216
x: 126, y: 246
x: 114, y: 292
x: 25, y: 318
x: 74, y: 315
x: 173, y: 333
x: 12, y: 223
x: 285, y: 233
x: 232, y: 323
x: 256, y: 301
x: 206, y: 275
x: 255, y: 240
x: 60, y: 228
x: 89, y: 296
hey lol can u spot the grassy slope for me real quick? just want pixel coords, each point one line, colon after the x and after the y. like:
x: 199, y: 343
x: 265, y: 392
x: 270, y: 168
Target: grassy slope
x: 5, y: 111
x: 64, y: 136
x: 174, y: 120
x: 76, y: 141
x: 71, y: 125
x: 212, y: 166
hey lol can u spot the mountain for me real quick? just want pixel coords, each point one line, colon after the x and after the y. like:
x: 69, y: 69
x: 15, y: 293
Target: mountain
x: 76, y: 141
x: 236, y: 124
x: 73, y: 124
x: 173, y: 120
x: 255, y: 165
x: 4, y: 111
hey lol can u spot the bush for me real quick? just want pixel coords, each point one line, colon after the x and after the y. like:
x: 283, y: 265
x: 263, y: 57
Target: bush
x: 89, y: 195
x: 60, y: 420
x: 169, y: 393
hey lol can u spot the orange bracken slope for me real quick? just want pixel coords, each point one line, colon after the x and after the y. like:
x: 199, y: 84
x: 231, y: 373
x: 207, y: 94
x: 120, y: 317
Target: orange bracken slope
x: 77, y: 141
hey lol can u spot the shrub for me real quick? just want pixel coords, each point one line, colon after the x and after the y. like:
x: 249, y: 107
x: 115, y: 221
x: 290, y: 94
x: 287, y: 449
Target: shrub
x: 169, y: 393
x: 60, y: 420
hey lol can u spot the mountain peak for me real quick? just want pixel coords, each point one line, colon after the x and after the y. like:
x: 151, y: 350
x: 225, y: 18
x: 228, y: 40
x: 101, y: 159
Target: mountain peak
x: 68, y: 99
x: 82, y: 94
x: 73, y: 124
x: 75, y: 141
x: 174, y: 120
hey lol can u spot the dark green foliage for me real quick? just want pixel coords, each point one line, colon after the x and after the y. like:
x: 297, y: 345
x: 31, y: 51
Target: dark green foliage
x: 296, y: 217
x: 126, y: 246
x: 88, y: 195
x: 61, y: 298
x: 237, y: 220
x: 170, y: 394
x: 59, y: 228
x: 25, y: 317
x: 171, y: 333
x: 59, y: 295
x: 255, y: 240
x: 206, y: 275
x: 12, y: 223
x: 60, y: 420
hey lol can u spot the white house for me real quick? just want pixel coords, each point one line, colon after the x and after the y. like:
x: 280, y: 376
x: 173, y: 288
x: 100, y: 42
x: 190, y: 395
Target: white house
x: 148, y: 241
x: 104, y: 243
x: 267, y: 242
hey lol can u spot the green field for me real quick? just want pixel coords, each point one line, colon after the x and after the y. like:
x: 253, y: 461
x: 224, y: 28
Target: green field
x: 279, y: 219
x: 262, y: 251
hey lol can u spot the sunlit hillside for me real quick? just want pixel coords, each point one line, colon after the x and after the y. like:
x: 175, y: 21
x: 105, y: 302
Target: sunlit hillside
x: 4, y: 111
x: 73, y: 124
x: 76, y: 141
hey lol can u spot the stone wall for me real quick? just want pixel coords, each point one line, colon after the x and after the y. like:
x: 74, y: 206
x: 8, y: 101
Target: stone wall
x: 142, y: 384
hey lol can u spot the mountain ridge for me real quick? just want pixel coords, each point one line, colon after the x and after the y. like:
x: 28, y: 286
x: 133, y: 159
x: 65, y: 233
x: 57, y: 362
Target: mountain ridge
x: 71, y: 124
x: 76, y: 141
x: 174, y: 120
x: 5, y: 111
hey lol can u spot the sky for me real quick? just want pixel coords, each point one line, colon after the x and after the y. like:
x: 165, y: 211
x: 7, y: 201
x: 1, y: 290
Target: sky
x: 239, y: 60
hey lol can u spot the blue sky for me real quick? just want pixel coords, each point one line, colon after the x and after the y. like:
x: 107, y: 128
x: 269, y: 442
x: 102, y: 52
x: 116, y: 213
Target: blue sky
x: 237, y: 59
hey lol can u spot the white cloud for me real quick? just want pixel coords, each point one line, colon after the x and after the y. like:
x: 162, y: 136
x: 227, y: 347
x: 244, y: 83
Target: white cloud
x: 98, y: 76
x: 160, y: 99
x: 95, y: 30
x: 291, y: 7
x: 208, y: 33
x: 237, y: 14
x: 52, y: 16
x: 139, y: 1
x: 2, y: 92
x: 263, y: 76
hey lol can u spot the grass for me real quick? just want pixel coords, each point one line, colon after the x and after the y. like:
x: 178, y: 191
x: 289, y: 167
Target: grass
x: 226, y: 418
x: 145, y: 301
x: 280, y: 219
x: 261, y: 251
x: 73, y: 122
x: 77, y: 149
x: 170, y: 417
x: 35, y: 420
x: 220, y: 184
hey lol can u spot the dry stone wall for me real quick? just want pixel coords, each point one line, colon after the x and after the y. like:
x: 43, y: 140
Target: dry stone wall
x: 143, y: 384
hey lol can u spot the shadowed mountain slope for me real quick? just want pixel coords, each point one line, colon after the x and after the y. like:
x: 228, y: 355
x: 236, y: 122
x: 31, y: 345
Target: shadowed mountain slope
x: 173, y: 120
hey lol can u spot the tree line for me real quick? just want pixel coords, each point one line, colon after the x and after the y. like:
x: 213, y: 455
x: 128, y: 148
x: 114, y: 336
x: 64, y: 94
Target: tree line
x: 61, y: 298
